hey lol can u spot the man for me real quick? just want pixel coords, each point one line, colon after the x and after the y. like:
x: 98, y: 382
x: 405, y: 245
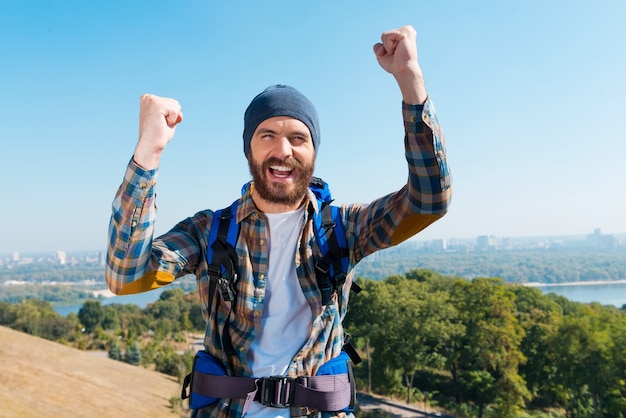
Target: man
x: 277, y: 324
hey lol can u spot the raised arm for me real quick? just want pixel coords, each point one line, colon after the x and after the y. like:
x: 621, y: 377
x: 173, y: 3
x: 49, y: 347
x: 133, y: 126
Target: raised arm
x: 134, y: 264
x: 398, y: 216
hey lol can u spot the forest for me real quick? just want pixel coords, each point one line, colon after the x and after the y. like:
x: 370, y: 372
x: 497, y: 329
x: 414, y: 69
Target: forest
x: 474, y: 348
x: 513, y: 266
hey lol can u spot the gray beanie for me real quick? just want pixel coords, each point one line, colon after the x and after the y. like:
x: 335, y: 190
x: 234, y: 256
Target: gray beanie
x: 280, y: 100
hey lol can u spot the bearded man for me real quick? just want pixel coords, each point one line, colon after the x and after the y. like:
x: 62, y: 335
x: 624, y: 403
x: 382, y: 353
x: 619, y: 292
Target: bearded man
x: 277, y: 334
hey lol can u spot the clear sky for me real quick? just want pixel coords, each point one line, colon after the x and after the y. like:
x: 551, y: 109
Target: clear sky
x: 530, y: 94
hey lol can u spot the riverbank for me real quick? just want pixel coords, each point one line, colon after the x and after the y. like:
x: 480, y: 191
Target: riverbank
x: 103, y: 293
x: 106, y: 293
x: 587, y: 283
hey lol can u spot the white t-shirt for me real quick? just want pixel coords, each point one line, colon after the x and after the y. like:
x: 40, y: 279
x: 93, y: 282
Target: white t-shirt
x: 286, y: 320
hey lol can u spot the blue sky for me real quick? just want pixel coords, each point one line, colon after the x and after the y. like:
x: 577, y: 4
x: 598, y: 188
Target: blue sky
x: 530, y: 95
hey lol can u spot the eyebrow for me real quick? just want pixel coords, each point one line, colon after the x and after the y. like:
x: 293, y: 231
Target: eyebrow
x: 265, y: 131
x: 271, y: 131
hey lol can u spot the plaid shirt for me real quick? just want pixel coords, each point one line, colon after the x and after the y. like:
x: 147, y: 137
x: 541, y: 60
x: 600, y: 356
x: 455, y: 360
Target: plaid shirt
x: 136, y: 262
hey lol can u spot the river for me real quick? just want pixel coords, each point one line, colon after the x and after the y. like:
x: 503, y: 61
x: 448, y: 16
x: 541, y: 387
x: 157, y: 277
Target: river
x: 141, y: 299
x: 606, y: 294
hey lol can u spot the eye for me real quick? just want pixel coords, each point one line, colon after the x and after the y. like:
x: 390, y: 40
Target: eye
x: 298, y: 139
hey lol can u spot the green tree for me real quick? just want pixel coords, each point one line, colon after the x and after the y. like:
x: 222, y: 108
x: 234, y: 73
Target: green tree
x: 110, y: 319
x: 7, y: 314
x: 133, y: 355
x: 115, y: 352
x: 589, y: 346
x: 196, y: 317
x: 27, y: 316
x: 168, y: 361
x: 37, y: 317
x: 90, y: 315
x: 408, y: 325
x: 540, y: 316
x: 486, y: 358
x: 615, y: 398
x: 363, y: 320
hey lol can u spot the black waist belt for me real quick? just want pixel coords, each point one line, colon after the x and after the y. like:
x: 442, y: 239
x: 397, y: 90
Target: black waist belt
x: 324, y: 393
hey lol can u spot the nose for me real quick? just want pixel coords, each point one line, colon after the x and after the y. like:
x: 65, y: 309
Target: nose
x: 282, y: 148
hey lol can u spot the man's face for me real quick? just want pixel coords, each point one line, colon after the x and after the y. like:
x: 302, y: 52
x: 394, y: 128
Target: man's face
x: 282, y: 160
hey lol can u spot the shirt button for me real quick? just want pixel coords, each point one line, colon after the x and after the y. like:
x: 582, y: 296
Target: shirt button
x: 261, y: 276
x: 241, y: 349
x: 262, y: 242
x: 133, y: 224
x: 143, y: 185
x: 256, y: 314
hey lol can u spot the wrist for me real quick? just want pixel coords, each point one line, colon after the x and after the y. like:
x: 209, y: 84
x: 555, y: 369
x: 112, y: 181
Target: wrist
x: 412, y: 86
x: 148, y: 159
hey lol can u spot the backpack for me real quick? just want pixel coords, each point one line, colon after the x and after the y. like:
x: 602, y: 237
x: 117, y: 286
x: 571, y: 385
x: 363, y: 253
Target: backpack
x: 330, y: 272
x: 330, y: 269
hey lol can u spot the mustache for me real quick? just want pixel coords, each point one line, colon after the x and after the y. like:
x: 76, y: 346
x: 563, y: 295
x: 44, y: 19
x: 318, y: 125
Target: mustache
x: 290, y: 162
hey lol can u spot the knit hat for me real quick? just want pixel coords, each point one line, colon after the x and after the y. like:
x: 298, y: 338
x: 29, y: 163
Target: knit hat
x: 279, y: 100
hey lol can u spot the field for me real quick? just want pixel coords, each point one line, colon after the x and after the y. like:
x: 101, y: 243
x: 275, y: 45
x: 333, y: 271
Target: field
x: 43, y: 378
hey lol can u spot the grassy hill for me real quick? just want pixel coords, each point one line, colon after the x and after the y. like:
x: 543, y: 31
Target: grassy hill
x: 42, y: 378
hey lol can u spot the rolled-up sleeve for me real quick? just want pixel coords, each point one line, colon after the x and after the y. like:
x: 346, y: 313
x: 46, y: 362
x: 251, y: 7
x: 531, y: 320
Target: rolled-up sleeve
x: 131, y: 227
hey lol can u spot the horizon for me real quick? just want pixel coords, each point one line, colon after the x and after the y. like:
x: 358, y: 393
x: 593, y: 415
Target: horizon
x: 413, y: 240
x: 529, y: 96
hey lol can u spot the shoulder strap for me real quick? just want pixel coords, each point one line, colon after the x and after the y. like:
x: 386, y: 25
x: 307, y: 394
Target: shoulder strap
x: 329, y: 232
x: 331, y: 269
x: 221, y: 254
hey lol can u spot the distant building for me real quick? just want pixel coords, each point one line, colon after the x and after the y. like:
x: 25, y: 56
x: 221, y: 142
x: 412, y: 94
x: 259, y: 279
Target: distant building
x: 599, y: 240
x: 438, y: 245
x: 60, y: 257
x: 485, y: 242
x: 15, y: 256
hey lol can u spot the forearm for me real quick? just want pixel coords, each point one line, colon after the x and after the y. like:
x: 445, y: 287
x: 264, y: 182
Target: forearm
x: 412, y: 86
x: 131, y: 228
x: 429, y: 186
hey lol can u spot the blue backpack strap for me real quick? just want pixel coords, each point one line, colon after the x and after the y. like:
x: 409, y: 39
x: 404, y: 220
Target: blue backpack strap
x: 221, y: 255
x: 222, y: 264
x: 331, y: 269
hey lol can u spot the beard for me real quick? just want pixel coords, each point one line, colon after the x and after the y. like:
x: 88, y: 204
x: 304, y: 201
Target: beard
x: 276, y: 192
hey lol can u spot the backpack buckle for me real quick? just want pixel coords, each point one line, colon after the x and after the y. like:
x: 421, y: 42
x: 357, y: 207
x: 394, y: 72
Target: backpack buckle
x: 277, y: 391
x: 226, y: 288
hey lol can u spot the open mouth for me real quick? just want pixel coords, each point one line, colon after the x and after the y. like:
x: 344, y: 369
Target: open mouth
x: 281, y: 171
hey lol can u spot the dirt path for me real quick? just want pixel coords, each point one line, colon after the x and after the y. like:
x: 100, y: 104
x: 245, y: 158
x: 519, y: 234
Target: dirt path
x: 395, y: 409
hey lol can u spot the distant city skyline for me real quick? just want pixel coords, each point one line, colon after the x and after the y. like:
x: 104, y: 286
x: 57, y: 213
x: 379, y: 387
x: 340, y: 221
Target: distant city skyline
x: 595, y: 238
x: 529, y: 95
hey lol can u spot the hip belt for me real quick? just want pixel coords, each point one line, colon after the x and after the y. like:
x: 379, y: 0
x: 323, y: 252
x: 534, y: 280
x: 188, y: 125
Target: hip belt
x: 332, y: 389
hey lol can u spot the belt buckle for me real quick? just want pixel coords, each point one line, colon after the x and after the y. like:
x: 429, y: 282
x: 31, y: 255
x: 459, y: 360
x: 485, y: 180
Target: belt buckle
x: 277, y: 391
